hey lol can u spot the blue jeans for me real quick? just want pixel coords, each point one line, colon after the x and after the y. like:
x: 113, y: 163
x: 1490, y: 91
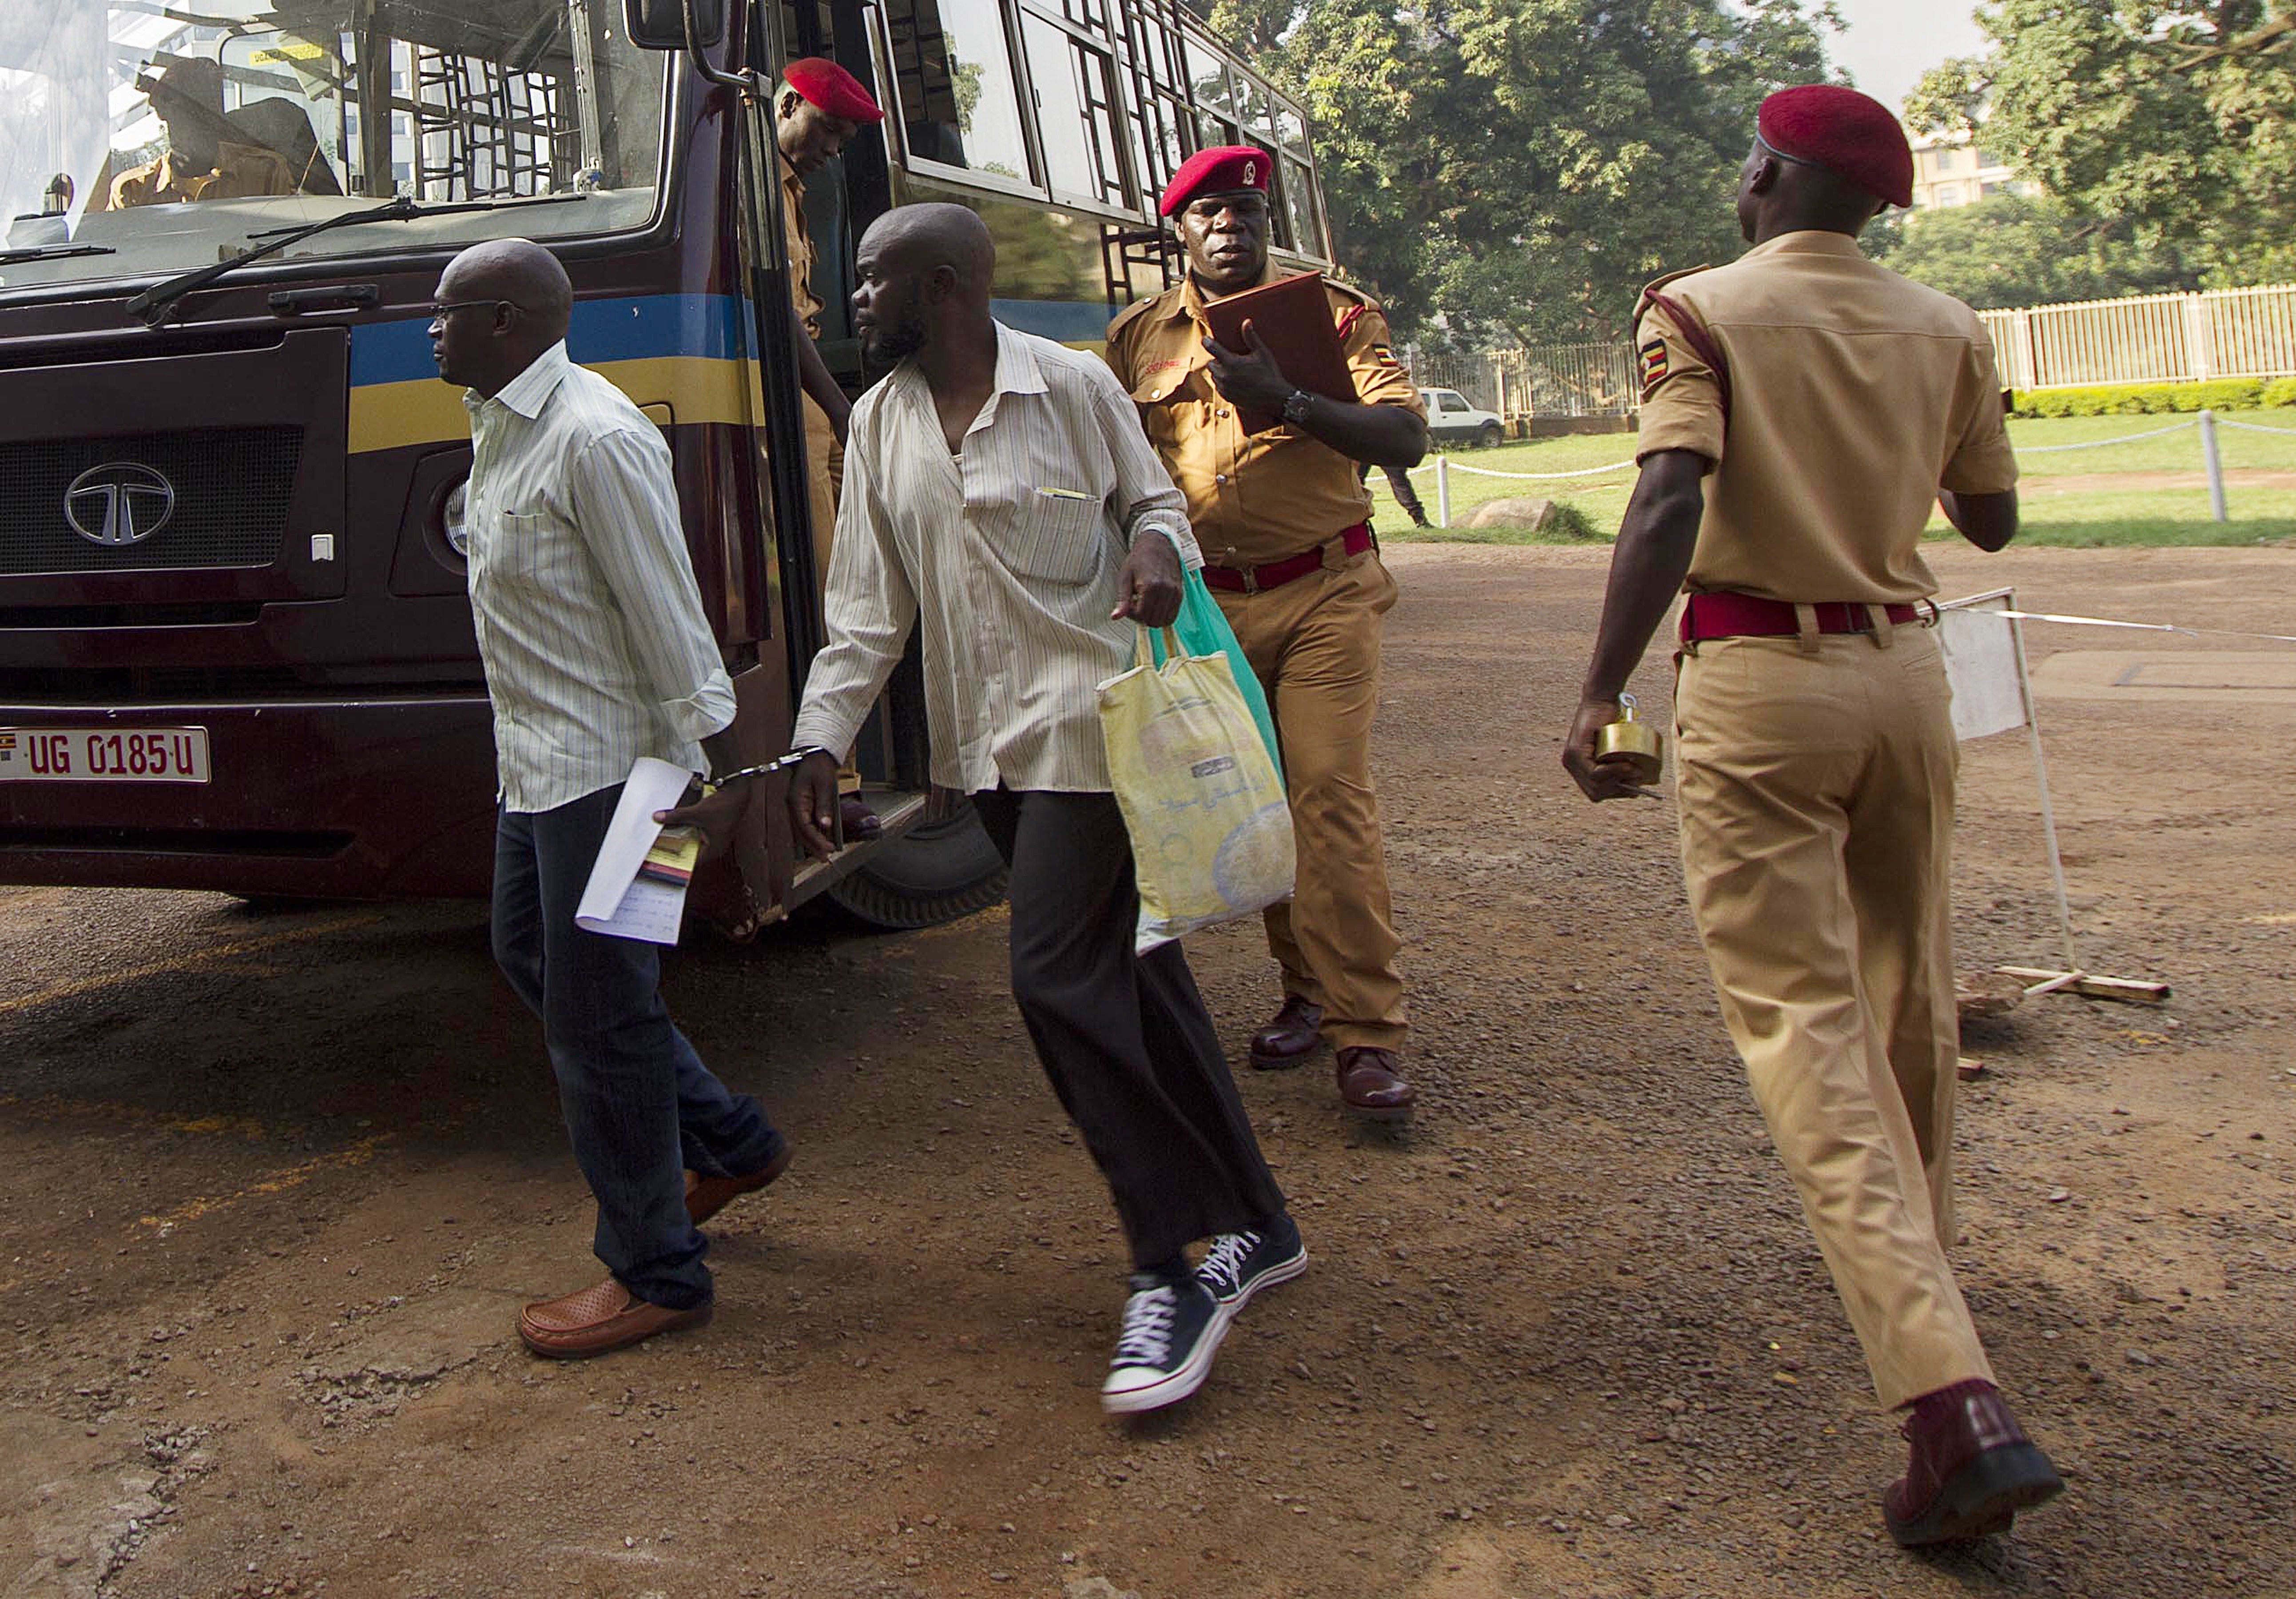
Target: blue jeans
x: 640, y: 1106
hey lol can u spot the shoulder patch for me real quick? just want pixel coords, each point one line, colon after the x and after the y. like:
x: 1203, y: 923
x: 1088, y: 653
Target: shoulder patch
x: 1653, y: 364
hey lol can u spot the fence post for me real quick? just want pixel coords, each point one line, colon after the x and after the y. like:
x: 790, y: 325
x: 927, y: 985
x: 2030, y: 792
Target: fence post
x: 2215, y: 466
x: 1443, y: 490
x: 2028, y: 371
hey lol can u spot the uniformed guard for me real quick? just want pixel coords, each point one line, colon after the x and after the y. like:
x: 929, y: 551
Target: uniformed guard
x: 1801, y: 409
x: 819, y: 110
x: 208, y: 156
x: 1282, y: 517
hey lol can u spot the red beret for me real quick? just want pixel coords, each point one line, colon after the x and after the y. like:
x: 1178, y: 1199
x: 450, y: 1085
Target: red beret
x: 1221, y: 169
x: 1850, y: 135
x: 832, y: 88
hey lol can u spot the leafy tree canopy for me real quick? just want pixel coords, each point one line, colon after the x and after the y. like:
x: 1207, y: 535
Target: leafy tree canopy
x: 1524, y: 165
x: 2170, y: 118
x: 2010, y: 251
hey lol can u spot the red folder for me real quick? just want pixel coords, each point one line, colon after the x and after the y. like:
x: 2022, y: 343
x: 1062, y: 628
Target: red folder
x: 1292, y: 316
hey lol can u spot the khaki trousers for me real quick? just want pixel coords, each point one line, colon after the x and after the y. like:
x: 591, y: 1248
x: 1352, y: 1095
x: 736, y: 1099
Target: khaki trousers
x: 824, y: 474
x: 1313, y: 642
x: 1817, y: 794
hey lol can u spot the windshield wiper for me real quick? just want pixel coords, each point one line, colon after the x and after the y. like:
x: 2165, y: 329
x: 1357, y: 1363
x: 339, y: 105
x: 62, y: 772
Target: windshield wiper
x: 53, y: 252
x: 151, y: 306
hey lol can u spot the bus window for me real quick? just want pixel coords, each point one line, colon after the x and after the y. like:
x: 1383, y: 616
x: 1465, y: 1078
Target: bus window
x: 1158, y: 130
x: 1215, y: 107
x: 1076, y: 112
x: 952, y: 70
x: 1297, y: 180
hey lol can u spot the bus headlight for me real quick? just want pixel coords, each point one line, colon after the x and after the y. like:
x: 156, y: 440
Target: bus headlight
x: 450, y: 519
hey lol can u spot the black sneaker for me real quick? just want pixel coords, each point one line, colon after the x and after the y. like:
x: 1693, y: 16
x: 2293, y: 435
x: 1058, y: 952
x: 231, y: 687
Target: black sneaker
x: 1239, y: 1265
x: 1172, y: 1328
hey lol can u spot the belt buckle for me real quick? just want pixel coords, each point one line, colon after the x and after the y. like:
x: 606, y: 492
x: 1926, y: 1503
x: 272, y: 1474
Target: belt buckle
x: 1251, y: 575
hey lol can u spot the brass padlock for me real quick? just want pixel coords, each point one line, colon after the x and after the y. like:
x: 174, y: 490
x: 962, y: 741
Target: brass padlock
x: 1635, y: 745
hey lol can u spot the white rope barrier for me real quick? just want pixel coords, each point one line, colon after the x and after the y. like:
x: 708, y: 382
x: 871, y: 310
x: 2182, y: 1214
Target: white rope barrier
x: 2098, y: 444
x: 2098, y: 621
x: 1525, y: 477
x: 2252, y: 427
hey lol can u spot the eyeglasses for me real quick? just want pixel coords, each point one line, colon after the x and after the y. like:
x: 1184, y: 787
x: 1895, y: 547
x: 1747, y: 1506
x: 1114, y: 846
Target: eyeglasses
x: 439, y: 313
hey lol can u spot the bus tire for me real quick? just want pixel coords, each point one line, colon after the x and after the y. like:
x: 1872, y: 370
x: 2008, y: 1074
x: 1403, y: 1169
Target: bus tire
x: 935, y: 872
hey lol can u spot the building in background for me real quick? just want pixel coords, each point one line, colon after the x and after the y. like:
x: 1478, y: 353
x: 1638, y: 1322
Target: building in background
x: 1951, y: 169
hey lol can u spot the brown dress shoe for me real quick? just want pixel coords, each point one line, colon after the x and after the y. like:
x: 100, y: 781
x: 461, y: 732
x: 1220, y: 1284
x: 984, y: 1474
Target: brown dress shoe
x: 1972, y: 1469
x: 1372, y: 1085
x: 597, y: 1320
x: 856, y: 821
x: 1291, y: 1038
x: 707, y: 1196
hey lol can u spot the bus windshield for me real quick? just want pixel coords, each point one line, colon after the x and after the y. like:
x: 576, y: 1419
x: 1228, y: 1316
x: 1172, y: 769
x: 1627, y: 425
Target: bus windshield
x: 139, y: 138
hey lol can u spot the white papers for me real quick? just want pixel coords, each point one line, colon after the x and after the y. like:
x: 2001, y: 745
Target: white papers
x: 617, y: 901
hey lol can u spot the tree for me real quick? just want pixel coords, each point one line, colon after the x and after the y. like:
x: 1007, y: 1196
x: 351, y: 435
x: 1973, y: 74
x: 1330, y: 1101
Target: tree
x: 2170, y: 118
x: 2009, y: 250
x: 1522, y: 167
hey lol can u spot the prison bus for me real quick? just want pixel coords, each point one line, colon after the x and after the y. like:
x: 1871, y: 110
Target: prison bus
x: 235, y: 646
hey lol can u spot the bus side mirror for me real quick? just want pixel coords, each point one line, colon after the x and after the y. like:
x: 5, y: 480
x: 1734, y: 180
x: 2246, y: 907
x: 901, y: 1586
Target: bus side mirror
x: 661, y: 24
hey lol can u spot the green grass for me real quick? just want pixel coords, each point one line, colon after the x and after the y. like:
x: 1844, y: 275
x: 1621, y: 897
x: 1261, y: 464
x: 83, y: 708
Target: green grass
x: 2085, y: 519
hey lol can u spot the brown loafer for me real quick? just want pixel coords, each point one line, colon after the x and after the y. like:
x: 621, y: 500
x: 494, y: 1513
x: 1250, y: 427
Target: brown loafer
x: 1291, y: 1038
x: 856, y: 821
x: 598, y: 1320
x: 707, y: 1196
x: 1372, y: 1085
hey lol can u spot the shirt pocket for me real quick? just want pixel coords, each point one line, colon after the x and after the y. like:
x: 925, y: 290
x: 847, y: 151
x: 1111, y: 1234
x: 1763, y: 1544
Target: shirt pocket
x: 1046, y: 531
x: 529, y: 551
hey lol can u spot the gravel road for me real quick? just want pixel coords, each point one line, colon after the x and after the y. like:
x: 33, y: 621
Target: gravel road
x: 272, y: 1187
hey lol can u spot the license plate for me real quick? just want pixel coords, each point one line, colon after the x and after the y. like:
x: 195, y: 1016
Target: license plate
x: 103, y: 755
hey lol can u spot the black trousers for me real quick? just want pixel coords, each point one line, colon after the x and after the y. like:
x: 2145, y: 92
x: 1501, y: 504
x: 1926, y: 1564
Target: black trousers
x: 1125, y: 1038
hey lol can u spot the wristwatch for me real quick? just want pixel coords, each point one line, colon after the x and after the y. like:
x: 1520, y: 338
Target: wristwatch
x: 1296, y: 406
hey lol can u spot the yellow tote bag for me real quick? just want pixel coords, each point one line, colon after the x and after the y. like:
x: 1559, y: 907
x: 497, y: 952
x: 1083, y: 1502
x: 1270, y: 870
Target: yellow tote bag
x: 1210, y: 828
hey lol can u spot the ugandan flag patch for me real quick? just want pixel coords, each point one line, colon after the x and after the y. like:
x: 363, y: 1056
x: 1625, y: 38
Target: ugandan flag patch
x: 1384, y: 354
x: 1653, y: 355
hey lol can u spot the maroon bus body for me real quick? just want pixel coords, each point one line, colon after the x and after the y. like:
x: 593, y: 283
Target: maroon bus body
x: 347, y: 722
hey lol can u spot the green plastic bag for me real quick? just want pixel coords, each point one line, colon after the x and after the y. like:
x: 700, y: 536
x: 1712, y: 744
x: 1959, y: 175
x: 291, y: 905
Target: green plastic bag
x: 1204, y: 630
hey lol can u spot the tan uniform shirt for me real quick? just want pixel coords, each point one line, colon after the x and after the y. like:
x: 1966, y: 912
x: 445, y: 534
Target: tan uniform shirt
x: 801, y: 253
x: 241, y: 172
x: 1855, y: 396
x: 1253, y: 497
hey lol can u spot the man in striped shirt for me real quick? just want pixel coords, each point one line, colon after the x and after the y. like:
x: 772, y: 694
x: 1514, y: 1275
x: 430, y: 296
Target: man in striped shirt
x: 998, y: 487
x: 596, y: 652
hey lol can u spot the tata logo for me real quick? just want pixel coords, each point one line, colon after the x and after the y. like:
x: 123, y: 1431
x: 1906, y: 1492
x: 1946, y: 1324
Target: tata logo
x: 119, y: 503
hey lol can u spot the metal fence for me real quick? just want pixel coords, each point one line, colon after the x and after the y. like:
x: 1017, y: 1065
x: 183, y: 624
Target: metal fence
x: 2144, y: 338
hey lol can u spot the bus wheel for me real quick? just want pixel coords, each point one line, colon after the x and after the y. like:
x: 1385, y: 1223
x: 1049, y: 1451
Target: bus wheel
x: 934, y: 872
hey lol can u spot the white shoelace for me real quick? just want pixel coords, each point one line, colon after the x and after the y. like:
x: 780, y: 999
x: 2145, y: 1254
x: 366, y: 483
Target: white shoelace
x: 1226, y: 1258
x: 1146, y: 1339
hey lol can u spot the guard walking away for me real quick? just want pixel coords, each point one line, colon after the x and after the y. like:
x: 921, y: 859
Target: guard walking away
x: 819, y: 110
x: 596, y: 652
x: 1002, y: 492
x: 1282, y: 517
x: 1802, y: 407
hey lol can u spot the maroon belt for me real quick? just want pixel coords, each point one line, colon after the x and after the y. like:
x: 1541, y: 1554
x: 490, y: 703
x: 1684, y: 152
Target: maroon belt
x: 1252, y: 579
x: 1726, y: 615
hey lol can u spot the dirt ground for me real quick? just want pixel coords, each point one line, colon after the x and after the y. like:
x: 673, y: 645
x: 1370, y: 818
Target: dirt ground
x: 273, y: 1186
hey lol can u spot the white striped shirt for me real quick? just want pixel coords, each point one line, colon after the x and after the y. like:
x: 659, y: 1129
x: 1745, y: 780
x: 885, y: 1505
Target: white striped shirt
x: 588, y: 618
x: 1012, y: 547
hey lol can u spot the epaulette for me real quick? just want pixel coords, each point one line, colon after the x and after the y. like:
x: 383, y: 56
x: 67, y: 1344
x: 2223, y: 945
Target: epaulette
x: 1351, y: 292
x: 1137, y: 308
x: 1655, y: 284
